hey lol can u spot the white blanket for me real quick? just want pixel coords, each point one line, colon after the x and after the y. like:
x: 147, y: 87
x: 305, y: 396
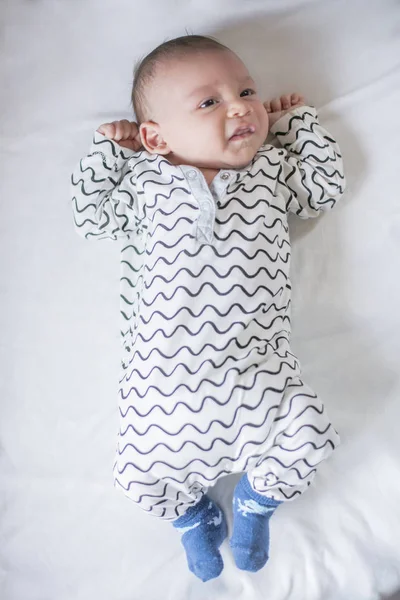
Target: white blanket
x: 65, y: 533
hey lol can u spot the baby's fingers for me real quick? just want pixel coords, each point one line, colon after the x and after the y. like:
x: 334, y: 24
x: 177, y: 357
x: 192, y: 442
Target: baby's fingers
x: 294, y: 98
x: 123, y: 130
x: 276, y: 105
x: 286, y: 101
x: 119, y: 130
x: 297, y: 99
x: 107, y: 129
x: 267, y: 106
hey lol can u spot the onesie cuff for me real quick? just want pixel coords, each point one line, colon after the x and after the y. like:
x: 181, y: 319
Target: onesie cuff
x: 114, y: 156
x: 261, y: 499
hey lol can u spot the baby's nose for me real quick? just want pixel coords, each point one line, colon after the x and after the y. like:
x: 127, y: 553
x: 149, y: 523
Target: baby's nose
x: 238, y: 108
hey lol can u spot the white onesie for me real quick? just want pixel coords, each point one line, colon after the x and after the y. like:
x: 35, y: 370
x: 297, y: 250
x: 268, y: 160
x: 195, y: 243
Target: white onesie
x: 209, y: 385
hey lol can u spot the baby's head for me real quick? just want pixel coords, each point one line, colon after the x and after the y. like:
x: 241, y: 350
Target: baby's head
x: 197, y: 104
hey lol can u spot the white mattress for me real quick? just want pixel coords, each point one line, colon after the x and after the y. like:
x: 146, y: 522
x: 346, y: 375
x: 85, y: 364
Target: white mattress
x: 65, y: 533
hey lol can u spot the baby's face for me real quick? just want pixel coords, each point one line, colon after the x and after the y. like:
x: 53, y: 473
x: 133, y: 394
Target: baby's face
x: 207, y: 111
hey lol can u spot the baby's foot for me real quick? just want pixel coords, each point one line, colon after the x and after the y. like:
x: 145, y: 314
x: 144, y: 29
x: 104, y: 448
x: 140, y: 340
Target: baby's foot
x: 203, y: 528
x: 278, y: 107
x: 251, y: 515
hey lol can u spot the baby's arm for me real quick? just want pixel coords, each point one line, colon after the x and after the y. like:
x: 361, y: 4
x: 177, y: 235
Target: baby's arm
x: 104, y: 200
x: 311, y: 177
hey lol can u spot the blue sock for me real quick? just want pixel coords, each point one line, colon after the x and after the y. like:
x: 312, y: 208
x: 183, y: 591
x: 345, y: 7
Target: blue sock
x: 251, y: 515
x: 203, y: 529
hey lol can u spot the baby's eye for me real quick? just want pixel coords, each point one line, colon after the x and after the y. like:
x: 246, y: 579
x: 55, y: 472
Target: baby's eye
x: 208, y: 103
x: 247, y: 92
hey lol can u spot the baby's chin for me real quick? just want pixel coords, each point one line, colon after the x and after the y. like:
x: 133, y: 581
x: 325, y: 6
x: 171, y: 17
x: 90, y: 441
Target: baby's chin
x: 239, y: 160
x: 229, y: 158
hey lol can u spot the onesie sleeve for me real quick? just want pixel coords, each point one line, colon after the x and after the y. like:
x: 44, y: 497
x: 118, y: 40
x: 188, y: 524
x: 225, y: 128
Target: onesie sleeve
x: 311, y: 177
x: 104, y: 199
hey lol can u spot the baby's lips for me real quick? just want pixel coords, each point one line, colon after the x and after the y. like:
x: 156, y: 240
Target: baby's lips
x: 243, y: 129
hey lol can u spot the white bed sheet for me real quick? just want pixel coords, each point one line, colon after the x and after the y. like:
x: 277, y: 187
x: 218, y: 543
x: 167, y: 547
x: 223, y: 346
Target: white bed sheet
x: 65, y: 533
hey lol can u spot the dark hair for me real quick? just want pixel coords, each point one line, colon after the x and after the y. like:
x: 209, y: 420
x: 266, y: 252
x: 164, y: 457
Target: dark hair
x: 145, y: 69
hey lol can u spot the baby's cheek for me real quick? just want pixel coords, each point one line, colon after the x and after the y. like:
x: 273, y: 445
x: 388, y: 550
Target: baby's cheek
x: 213, y: 136
x: 264, y: 120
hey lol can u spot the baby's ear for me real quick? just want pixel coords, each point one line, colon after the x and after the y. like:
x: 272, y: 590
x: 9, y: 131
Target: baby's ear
x: 152, y: 139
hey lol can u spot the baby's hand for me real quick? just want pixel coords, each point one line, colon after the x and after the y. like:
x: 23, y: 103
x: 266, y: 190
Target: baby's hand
x: 278, y: 107
x: 125, y: 133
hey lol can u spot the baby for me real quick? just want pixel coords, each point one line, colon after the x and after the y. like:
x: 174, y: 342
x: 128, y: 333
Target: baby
x: 209, y: 385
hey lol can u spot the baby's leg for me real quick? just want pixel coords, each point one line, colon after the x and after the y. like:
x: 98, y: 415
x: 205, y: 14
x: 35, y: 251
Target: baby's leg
x: 198, y: 518
x: 301, y: 437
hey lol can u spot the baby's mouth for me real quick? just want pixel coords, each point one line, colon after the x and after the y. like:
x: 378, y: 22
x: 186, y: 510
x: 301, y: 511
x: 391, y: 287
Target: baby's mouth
x: 242, y: 132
